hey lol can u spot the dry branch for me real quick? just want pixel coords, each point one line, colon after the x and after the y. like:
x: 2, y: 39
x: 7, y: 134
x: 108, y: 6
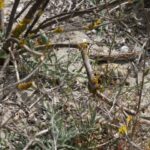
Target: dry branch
x: 11, y: 19
x: 93, y: 85
x: 116, y: 58
x: 27, y: 19
x: 2, y: 15
x: 64, y: 16
x: 100, y: 58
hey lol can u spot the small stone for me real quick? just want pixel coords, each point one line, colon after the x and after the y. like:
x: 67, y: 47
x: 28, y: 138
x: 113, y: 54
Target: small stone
x: 124, y: 49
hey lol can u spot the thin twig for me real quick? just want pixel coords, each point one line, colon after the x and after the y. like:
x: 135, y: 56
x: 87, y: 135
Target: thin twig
x: 11, y: 19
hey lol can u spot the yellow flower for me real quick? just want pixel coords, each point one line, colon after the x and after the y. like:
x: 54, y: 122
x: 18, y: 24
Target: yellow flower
x: 20, y: 27
x: 22, y: 42
x: 93, y: 25
x: 49, y: 45
x: 26, y: 85
x: 129, y: 119
x: 93, y: 85
x: 83, y: 45
x: 58, y: 30
x: 97, y: 23
x: 123, y: 130
x: 2, y: 4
